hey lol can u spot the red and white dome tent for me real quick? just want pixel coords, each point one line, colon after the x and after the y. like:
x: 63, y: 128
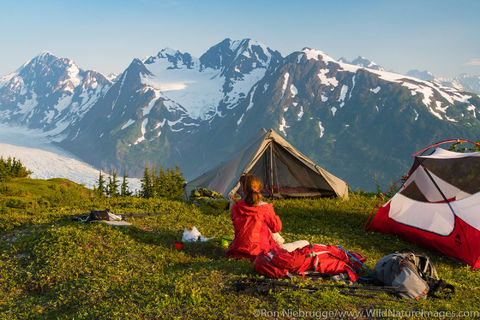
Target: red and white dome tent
x: 438, y: 205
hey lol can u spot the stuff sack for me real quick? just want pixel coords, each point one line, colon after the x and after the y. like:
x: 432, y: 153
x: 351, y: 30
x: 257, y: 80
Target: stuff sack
x: 411, y: 274
x: 99, y: 215
x: 104, y: 215
x: 323, y: 259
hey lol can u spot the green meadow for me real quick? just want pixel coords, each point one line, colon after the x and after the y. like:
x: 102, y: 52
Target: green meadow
x: 52, y: 267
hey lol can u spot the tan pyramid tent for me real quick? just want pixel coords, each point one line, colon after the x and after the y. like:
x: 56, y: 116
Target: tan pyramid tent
x: 284, y: 171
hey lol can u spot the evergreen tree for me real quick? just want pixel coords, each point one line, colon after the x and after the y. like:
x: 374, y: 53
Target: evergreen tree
x: 3, y: 169
x: 112, y: 187
x: 100, y: 190
x: 155, y: 183
x: 163, y: 183
x: 12, y: 168
x: 179, y: 183
x: 146, y: 187
x: 124, y: 190
x: 160, y: 183
x: 169, y: 186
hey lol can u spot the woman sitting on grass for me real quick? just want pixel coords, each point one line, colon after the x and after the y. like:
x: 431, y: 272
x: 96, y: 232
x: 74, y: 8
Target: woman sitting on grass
x: 256, y: 224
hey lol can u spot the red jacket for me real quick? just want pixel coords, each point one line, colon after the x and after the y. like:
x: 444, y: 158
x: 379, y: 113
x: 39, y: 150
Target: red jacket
x: 253, y: 230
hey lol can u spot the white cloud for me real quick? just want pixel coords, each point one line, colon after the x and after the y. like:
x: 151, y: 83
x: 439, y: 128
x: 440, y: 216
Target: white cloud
x: 473, y: 62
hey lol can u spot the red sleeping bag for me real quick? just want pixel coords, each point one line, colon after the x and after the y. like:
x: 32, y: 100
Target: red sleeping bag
x: 328, y: 260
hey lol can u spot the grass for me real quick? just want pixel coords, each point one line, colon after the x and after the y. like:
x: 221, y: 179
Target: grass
x: 54, y: 268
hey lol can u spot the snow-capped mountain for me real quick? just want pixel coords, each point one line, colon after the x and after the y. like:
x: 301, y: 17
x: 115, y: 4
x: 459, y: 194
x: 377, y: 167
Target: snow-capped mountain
x: 49, y: 93
x: 463, y: 82
x: 217, y: 81
x: 363, y: 62
x: 167, y: 97
x: 470, y: 83
x: 355, y: 119
x: 423, y: 75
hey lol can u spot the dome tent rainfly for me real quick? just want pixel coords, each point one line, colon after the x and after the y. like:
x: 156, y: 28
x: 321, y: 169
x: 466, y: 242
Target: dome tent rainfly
x: 438, y: 206
x: 284, y: 171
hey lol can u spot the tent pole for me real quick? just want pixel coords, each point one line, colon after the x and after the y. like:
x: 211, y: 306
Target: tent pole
x: 439, y: 190
x: 449, y: 205
x: 271, y: 168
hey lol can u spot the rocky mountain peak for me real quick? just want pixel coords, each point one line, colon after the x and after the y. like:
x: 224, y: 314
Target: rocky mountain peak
x: 423, y: 75
x: 229, y: 54
x: 174, y: 58
x: 363, y: 62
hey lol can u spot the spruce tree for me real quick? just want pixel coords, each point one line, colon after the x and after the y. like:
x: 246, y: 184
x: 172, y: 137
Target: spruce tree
x: 169, y: 185
x: 12, y: 168
x: 112, y: 187
x: 146, y: 186
x: 162, y: 178
x: 100, y: 191
x: 124, y: 190
x: 179, y: 182
x: 155, y: 183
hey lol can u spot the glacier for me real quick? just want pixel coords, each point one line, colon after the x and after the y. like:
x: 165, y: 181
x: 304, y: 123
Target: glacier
x: 34, y: 149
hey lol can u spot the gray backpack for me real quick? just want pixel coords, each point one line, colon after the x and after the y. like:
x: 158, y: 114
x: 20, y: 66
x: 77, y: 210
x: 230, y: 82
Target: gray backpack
x: 412, y: 275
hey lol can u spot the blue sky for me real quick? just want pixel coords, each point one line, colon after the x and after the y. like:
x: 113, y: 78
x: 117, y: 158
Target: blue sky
x: 105, y: 35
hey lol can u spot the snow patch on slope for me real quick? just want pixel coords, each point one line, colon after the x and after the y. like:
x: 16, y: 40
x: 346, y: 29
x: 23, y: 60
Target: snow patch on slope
x: 64, y: 102
x: 241, y: 87
x: 353, y: 87
x: 300, y: 114
x: 286, y: 76
x: 322, y: 129
x: 283, y: 126
x: 343, y: 94
x: 472, y: 108
x: 317, y: 55
x: 416, y: 114
x: 146, y: 110
x: 376, y: 90
x: 250, y: 104
x: 240, y: 120
x: 73, y: 79
x: 143, y: 131
x: 324, y: 79
x: 293, y: 90
x: 28, y: 105
x: 127, y: 124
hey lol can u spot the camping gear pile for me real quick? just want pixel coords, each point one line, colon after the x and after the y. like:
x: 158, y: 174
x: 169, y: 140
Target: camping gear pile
x: 438, y: 205
x: 210, y: 198
x: 201, y: 193
x: 284, y: 171
x: 107, y: 217
x: 312, y: 259
x: 405, y: 274
x: 104, y: 216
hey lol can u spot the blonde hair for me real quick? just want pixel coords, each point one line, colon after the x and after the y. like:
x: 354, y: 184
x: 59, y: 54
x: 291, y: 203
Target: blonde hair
x: 251, y: 187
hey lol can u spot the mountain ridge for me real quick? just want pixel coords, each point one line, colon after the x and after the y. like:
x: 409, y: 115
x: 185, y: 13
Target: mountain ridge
x: 173, y: 108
